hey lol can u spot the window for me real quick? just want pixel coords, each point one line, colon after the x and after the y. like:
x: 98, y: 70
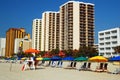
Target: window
x: 113, y: 48
x: 107, y: 48
x: 114, y: 31
x: 101, y: 43
x: 107, y: 43
x: 107, y: 38
x: 101, y: 34
x: 114, y: 42
x: 101, y: 48
x: 108, y: 53
x: 107, y: 33
x: 114, y: 37
x: 101, y: 54
x: 101, y: 39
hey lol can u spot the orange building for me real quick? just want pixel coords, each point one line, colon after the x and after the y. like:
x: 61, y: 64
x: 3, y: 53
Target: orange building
x: 11, y: 34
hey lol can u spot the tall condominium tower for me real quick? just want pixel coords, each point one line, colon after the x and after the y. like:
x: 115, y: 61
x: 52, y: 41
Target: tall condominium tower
x: 50, y: 30
x: 11, y: 34
x: 76, y: 25
x: 36, y: 34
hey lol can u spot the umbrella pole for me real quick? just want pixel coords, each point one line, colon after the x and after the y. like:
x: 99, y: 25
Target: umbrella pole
x: 10, y: 66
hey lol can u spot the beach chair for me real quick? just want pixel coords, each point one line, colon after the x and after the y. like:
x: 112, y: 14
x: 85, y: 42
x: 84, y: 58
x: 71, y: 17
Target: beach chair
x: 105, y: 67
x: 29, y: 64
x: 83, y: 67
x: 117, y: 71
x: 59, y: 64
x: 53, y: 64
x: 7, y: 60
x: 14, y: 60
x: 32, y: 65
x: 100, y: 68
x: 47, y: 63
x: 25, y: 65
x: 71, y: 65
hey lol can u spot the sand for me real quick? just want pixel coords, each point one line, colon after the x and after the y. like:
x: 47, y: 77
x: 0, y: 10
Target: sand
x: 48, y: 73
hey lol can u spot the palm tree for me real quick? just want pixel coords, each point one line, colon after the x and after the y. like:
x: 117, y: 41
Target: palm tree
x: 68, y: 52
x: 117, y: 49
x: 88, y: 51
x: 76, y: 53
x: 54, y: 51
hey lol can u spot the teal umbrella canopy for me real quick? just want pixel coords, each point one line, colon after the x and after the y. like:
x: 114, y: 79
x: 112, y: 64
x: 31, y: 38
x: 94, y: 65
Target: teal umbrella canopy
x: 46, y: 59
x: 81, y: 59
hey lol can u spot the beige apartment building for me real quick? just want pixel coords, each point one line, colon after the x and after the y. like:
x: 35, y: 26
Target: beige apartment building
x: 50, y: 30
x: 11, y: 34
x: 70, y: 28
x: 76, y: 25
x: 36, y: 34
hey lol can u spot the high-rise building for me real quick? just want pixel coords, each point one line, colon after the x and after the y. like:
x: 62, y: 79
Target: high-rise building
x: 11, y: 34
x: 2, y: 46
x: 70, y: 28
x: 76, y: 25
x: 108, y: 40
x: 36, y: 34
x: 50, y: 30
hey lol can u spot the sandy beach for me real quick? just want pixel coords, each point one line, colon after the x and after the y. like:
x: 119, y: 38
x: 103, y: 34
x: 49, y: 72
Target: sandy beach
x: 13, y: 71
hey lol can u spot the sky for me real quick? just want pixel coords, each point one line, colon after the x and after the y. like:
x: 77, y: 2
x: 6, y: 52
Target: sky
x: 20, y: 13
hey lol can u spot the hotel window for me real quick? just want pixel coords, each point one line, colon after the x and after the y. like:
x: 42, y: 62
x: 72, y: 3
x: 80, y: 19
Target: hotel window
x: 101, y: 34
x: 107, y: 38
x: 101, y: 54
x: 114, y: 53
x: 114, y: 42
x: 107, y: 43
x: 101, y: 39
x: 101, y: 43
x: 108, y: 48
x: 107, y: 33
x: 101, y: 48
x: 114, y: 37
x: 115, y: 31
x: 108, y: 53
x: 113, y: 48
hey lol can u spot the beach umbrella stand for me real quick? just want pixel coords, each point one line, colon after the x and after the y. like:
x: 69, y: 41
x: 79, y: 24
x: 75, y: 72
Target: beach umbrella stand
x: 98, y: 59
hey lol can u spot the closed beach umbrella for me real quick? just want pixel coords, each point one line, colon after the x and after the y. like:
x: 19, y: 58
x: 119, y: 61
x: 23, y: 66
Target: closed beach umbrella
x: 81, y: 59
x: 98, y: 59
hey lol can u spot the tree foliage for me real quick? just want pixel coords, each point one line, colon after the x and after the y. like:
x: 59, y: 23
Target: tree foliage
x: 87, y: 51
x: 117, y: 49
x: 54, y: 51
x: 68, y: 52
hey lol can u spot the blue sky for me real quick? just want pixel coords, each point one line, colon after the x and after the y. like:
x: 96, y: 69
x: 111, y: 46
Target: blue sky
x: 20, y: 13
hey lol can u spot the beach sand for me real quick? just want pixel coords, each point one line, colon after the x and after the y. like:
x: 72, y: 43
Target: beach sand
x: 13, y: 71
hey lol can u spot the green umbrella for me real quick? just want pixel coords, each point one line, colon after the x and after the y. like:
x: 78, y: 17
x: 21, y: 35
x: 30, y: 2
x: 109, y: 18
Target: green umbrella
x: 46, y: 59
x: 81, y: 59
